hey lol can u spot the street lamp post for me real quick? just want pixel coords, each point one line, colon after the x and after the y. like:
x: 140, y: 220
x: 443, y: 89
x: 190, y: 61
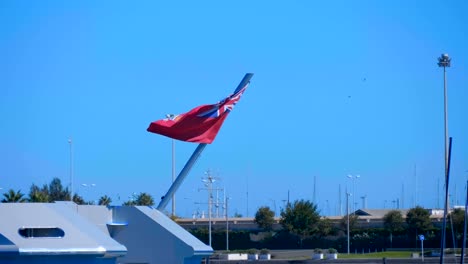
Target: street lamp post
x: 171, y: 116
x: 354, y: 178
x: 209, y: 185
x: 226, y: 199
x: 347, y: 215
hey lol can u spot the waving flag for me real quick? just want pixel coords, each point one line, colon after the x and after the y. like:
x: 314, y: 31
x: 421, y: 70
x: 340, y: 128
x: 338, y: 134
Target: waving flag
x: 200, y: 124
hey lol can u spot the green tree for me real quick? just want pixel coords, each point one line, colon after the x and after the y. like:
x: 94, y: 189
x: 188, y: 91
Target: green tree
x: 237, y: 215
x: 78, y: 199
x: 36, y: 195
x: 49, y: 193
x: 57, y: 192
x: 301, y: 219
x: 13, y: 197
x: 105, y: 200
x: 393, y: 222
x: 265, y: 218
x: 353, y: 219
x: 129, y: 203
x: 325, y: 227
x: 457, y: 217
x: 144, y: 199
x: 418, y: 220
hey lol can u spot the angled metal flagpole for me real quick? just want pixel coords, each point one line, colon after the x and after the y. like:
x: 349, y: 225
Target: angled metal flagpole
x: 196, y: 154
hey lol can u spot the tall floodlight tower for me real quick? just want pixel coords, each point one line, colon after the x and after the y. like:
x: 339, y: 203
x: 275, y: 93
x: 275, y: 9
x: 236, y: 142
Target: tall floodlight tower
x: 444, y: 61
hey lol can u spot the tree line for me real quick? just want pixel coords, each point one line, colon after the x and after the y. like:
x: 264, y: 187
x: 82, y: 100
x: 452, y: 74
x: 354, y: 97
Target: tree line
x: 301, y: 221
x: 54, y: 191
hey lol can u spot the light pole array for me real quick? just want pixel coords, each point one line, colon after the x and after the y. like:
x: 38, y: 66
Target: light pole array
x: 353, y: 178
x: 209, y: 180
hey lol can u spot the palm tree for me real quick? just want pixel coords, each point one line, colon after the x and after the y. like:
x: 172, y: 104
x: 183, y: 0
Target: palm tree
x: 105, y: 200
x: 144, y: 199
x: 13, y: 197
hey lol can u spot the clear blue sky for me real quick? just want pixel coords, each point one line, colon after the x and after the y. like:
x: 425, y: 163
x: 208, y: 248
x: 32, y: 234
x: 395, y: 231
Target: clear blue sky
x: 340, y: 87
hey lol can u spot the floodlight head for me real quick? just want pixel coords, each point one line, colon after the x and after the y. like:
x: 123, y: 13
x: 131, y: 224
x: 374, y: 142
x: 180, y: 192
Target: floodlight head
x: 444, y: 60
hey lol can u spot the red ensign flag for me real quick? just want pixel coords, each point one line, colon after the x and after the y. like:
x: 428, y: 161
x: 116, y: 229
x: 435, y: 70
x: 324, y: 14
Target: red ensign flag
x: 201, y: 124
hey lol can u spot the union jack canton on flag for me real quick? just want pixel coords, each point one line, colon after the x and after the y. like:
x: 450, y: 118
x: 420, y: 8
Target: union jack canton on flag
x: 201, y: 124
